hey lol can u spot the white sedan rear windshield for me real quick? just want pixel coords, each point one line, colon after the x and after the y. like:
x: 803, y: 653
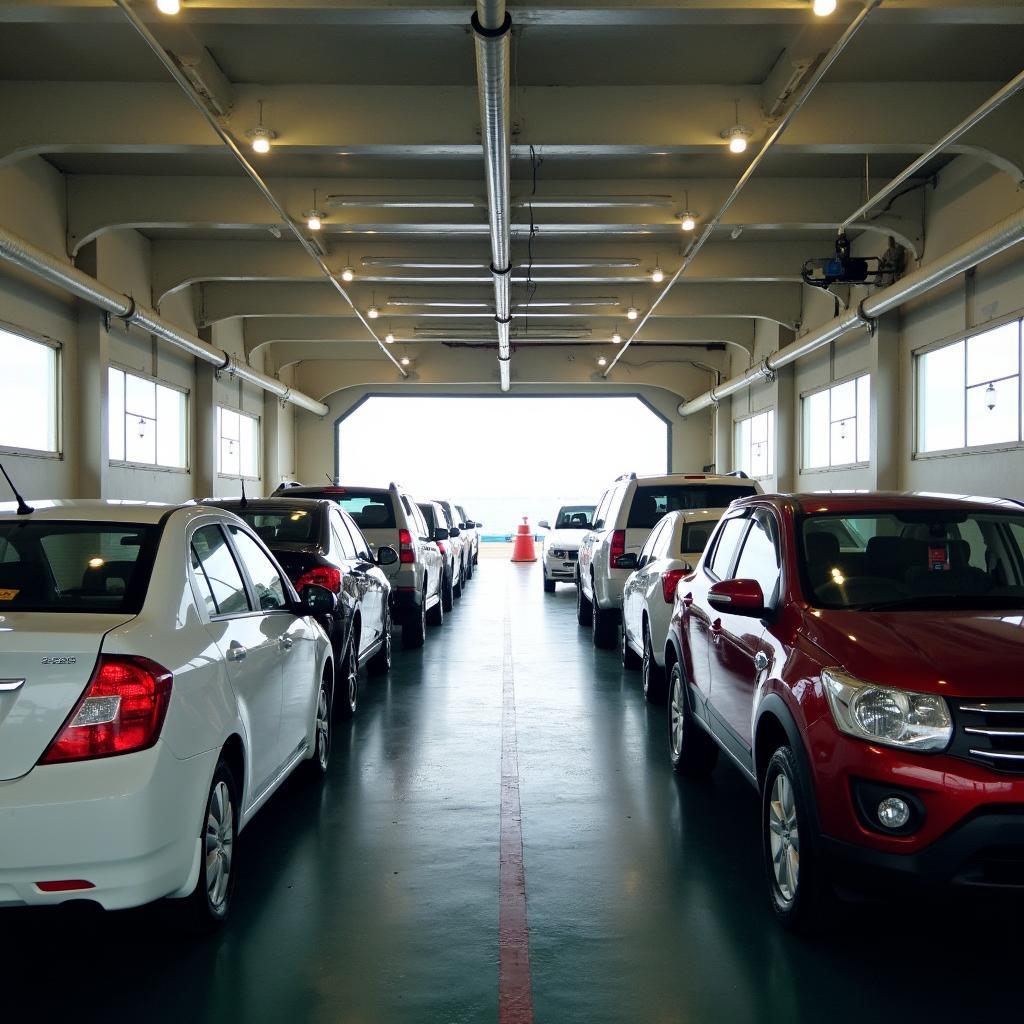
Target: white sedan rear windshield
x: 651, y: 503
x: 75, y: 567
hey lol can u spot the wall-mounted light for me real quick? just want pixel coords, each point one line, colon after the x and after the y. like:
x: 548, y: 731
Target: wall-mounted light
x: 823, y: 8
x: 314, y: 217
x: 261, y: 135
x: 168, y: 6
x: 738, y: 134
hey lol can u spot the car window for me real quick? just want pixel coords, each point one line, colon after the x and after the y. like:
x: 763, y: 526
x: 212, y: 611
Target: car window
x: 266, y: 580
x: 428, y: 514
x: 287, y: 526
x: 647, y: 552
x: 602, y: 508
x: 574, y: 517
x: 372, y: 510
x: 759, y: 559
x: 217, y: 574
x: 725, y: 548
x: 342, y: 538
x: 650, y: 503
x: 419, y: 524
x: 695, y: 536
x: 361, y: 544
x: 462, y: 513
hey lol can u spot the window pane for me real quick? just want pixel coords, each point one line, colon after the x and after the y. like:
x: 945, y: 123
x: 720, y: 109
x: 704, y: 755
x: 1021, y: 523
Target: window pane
x: 993, y: 354
x: 726, y: 546
x: 816, y: 430
x: 170, y: 405
x: 844, y: 401
x: 264, y: 575
x: 139, y: 397
x: 941, y: 399
x: 844, y: 442
x: 742, y: 452
x: 115, y: 414
x: 28, y: 394
x: 999, y: 423
x: 140, y: 437
x: 229, y: 423
x: 759, y: 560
x: 864, y: 419
x: 249, y: 430
x: 221, y: 570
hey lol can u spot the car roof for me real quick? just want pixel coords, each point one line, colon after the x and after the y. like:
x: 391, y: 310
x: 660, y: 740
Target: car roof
x: 875, y: 501
x: 92, y: 510
x: 694, y: 478
x: 330, y: 489
x: 280, y: 501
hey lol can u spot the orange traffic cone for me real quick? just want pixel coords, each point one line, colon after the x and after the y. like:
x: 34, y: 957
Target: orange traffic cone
x: 524, y: 551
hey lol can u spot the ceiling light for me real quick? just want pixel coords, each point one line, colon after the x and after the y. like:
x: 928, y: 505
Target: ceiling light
x: 348, y: 274
x: 601, y: 361
x: 823, y: 8
x: 737, y: 135
x: 168, y: 6
x: 314, y: 217
x: 405, y: 360
x: 657, y: 275
x: 373, y: 312
x: 687, y: 218
x: 389, y: 338
x: 616, y: 338
x: 632, y: 313
x: 261, y: 135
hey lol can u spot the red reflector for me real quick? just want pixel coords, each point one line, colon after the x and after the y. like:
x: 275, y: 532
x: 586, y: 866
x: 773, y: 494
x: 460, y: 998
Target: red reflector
x: 669, y: 582
x: 335, y: 490
x: 618, y: 547
x: 320, y: 576
x: 406, y: 552
x: 694, y: 476
x: 121, y: 711
x: 68, y: 885
x: 441, y: 547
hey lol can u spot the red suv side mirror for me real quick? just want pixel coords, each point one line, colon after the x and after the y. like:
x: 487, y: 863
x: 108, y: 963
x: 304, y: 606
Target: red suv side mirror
x: 738, y: 597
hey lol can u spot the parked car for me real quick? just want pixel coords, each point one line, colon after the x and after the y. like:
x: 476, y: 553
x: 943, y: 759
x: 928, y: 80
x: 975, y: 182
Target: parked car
x: 471, y: 527
x: 858, y: 656
x: 161, y: 679
x: 388, y: 516
x: 437, y: 527
x: 463, y: 561
x: 625, y: 516
x: 670, y: 552
x: 561, y: 545
x: 315, y: 541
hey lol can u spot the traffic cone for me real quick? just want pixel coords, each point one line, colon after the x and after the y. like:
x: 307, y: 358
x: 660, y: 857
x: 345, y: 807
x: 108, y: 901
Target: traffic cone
x: 524, y: 551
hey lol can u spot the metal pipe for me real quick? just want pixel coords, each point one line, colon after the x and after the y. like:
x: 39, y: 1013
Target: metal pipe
x: 695, y: 246
x: 997, y: 99
x: 492, y: 26
x: 225, y: 136
x: 25, y: 255
x: 983, y: 246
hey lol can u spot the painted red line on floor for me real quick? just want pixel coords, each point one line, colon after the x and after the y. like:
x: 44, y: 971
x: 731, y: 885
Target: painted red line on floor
x: 515, y: 990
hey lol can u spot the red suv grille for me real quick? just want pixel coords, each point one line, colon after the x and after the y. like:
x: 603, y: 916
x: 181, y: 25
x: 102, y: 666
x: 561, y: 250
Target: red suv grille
x: 990, y: 733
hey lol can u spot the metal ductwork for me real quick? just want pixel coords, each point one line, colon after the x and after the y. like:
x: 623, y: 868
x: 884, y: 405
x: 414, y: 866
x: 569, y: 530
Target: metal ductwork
x: 492, y: 28
x: 1004, y: 235
x: 36, y: 261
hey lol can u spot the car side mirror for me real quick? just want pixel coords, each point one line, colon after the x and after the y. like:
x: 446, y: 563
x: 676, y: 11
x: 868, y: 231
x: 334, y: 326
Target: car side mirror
x: 386, y: 555
x: 737, y: 597
x: 454, y: 532
x: 470, y: 525
x: 319, y: 600
x: 440, y: 534
x: 599, y: 525
x: 628, y: 561
x: 641, y: 561
x: 544, y: 524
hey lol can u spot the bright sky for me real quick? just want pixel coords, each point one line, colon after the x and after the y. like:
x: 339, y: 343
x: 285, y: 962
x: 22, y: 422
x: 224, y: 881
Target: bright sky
x: 504, y: 457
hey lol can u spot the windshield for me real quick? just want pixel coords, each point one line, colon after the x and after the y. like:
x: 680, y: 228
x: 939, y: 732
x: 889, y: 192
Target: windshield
x: 574, y: 517
x: 914, y: 560
x: 650, y: 504
x: 74, y: 566
x: 287, y: 526
x: 696, y: 536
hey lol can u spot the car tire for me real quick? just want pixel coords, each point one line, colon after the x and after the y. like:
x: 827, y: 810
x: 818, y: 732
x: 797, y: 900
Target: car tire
x: 549, y: 584
x: 457, y: 584
x: 469, y: 569
x: 206, y: 908
x: 380, y: 663
x: 626, y: 653
x: 349, y: 679
x: 603, y: 625
x: 692, y: 751
x: 799, y: 888
x: 435, y: 617
x: 414, y: 630
x: 447, y: 594
x: 584, y: 609
x: 317, y: 765
x: 651, y: 674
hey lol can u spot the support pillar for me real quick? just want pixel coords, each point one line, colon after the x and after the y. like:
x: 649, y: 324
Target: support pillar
x: 886, y: 424
x: 88, y: 446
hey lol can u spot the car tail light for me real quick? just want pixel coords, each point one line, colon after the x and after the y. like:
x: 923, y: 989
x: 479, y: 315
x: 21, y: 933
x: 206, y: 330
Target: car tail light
x: 669, y: 582
x: 618, y: 548
x: 121, y: 711
x: 406, y: 552
x: 441, y: 547
x: 327, y: 576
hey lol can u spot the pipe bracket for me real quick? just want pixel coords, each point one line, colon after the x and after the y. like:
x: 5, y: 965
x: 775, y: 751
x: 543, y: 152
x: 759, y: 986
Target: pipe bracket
x: 491, y: 33
x: 868, y: 321
x: 501, y: 273
x: 129, y: 314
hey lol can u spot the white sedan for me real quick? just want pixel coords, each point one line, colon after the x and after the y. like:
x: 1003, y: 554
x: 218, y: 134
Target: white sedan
x: 671, y: 551
x: 561, y: 545
x: 159, y: 679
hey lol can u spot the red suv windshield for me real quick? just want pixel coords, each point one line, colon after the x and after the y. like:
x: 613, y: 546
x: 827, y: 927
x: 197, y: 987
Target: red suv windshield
x: 914, y: 559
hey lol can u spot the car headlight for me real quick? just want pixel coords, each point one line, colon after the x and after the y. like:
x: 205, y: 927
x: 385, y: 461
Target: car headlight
x: 881, y: 714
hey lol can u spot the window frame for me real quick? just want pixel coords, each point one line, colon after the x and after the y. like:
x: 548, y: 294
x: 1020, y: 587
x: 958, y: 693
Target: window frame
x: 770, y: 412
x: 744, y: 516
x: 58, y: 393
x: 186, y: 418
x: 948, y: 342
x: 221, y: 406
x: 243, y: 575
x: 833, y: 467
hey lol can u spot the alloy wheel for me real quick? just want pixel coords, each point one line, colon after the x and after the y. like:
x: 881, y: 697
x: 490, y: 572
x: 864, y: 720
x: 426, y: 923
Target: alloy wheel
x: 676, y: 712
x: 784, y: 838
x: 353, y: 674
x: 323, y: 727
x: 220, y: 837
x: 645, y: 664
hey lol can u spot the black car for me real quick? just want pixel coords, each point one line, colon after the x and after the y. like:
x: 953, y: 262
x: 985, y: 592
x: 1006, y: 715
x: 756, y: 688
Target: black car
x: 317, y: 542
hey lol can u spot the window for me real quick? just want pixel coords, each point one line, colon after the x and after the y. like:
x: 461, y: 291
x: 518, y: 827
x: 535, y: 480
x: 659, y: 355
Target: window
x: 647, y: 551
x: 755, y: 444
x: 728, y: 540
x: 759, y: 559
x: 837, y: 425
x: 651, y: 503
x: 217, y: 573
x: 28, y: 394
x: 147, y: 422
x: 361, y: 543
x: 969, y: 392
x: 372, y: 510
x: 239, y: 451
x: 342, y: 538
x: 266, y: 580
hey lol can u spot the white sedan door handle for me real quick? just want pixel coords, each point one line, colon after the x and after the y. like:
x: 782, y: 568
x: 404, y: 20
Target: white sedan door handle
x: 236, y: 651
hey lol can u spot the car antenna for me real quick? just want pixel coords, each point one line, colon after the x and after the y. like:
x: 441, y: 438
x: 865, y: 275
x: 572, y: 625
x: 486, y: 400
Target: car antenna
x: 331, y: 480
x: 24, y: 509
x: 244, y: 503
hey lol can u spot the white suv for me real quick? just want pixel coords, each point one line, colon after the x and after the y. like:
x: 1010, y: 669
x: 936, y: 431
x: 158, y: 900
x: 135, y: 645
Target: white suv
x: 625, y: 516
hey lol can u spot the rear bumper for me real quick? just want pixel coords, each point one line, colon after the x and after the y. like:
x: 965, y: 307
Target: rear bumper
x: 130, y: 825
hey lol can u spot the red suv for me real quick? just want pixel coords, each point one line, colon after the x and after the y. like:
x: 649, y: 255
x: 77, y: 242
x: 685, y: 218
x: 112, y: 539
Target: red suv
x: 859, y: 656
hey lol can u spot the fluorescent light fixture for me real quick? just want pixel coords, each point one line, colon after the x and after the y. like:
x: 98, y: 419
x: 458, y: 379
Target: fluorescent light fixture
x: 576, y: 202
x: 168, y: 6
x: 417, y: 202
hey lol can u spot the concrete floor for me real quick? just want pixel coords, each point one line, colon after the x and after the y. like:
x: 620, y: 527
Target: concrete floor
x: 375, y: 897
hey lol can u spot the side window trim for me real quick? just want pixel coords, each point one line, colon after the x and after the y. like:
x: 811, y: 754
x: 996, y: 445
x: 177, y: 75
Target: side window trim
x: 250, y: 588
x: 743, y: 514
x: 243, y: 575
